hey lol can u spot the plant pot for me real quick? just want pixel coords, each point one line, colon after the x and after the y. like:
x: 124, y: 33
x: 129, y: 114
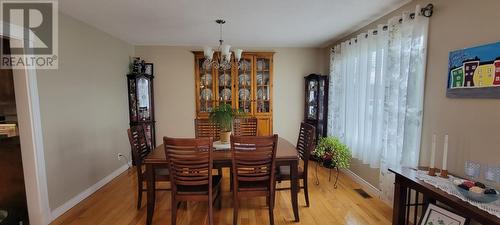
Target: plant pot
x: 224, y: 137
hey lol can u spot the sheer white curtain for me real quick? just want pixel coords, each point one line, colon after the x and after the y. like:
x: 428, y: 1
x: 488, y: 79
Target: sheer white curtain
x: 376, y: 94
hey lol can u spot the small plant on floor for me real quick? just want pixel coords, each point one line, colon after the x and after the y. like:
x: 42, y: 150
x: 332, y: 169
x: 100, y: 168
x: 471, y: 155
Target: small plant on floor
x: 333, y: 153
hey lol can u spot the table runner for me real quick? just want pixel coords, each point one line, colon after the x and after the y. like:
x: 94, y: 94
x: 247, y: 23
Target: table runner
x: 447, y: 186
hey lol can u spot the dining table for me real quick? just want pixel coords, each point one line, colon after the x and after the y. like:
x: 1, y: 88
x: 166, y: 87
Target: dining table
x: 286, y: 155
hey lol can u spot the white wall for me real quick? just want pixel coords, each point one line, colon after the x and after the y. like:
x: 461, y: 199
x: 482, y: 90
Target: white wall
x: 175, y: 87
x: 84, y: 109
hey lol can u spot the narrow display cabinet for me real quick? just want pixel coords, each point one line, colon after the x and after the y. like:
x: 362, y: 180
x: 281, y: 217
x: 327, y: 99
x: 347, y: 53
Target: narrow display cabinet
x: 316, y: 102
x: 141, y: 99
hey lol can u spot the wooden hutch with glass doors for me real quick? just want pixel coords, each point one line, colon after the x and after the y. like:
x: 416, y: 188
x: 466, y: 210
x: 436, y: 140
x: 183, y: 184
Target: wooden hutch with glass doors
x: 248, y: 87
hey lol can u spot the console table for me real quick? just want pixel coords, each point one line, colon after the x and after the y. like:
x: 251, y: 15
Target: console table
x: 410, y: 194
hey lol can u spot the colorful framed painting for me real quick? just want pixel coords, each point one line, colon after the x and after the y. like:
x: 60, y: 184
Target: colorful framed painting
x: 474, y: 72
x: 435, y: 215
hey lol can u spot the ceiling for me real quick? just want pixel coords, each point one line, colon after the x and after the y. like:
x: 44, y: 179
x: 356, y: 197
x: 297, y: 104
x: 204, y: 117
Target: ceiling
x: 250, y: 23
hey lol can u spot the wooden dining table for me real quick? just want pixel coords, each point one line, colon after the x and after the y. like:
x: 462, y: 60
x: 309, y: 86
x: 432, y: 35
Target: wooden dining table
x: 286, y: 155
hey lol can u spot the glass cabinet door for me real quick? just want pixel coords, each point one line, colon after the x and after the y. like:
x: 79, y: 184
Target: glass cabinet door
x: 206, y: 87
x: 244, y: 85
x: 263, y: 85
x: 312, y: 102
x: 143, y: 99
x: 224, y: 86
x: 132, y: 100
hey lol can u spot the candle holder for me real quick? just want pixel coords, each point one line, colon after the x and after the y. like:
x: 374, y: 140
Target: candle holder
x: 432, y: 172
x: 444, y: 174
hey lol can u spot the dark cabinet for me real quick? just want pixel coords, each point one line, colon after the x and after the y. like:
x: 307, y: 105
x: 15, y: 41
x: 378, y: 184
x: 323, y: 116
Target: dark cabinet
x: 141, y: 103
x: 7, y: 97
x: 316, y: 102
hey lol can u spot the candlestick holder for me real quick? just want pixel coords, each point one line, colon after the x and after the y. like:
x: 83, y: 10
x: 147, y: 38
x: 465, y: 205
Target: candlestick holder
x: 432, y: 172
x: 444, y: 174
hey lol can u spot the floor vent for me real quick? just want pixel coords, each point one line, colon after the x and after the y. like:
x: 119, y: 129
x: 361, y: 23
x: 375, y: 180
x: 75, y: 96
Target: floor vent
x: 362, y: 193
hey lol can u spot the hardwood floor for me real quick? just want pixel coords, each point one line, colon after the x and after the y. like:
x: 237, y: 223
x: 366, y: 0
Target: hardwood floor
x: 115, y: 203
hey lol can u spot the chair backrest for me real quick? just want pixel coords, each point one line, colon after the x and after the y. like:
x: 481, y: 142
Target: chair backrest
x: 253, y: 158
x: 245, y: 126
x: 189, y: 161
x: 138, y: 143
x: 204, y: 128
x: 306, y: 142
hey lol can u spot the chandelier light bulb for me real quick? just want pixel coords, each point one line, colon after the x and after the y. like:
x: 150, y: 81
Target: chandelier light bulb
x: 237, y: 54
x: 208, y: 52
x: 225, y: 50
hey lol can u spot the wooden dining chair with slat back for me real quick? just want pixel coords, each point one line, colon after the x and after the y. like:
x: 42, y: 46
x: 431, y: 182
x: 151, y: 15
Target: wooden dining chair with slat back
x: 140, y: 149
x: 205, y: 128
x: 245, y: 126
x: 253, y: 165
x: 190, y: 162
x: 306, y: 143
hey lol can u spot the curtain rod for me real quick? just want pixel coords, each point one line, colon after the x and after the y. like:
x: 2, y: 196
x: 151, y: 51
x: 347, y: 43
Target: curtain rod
x: 426, y: 11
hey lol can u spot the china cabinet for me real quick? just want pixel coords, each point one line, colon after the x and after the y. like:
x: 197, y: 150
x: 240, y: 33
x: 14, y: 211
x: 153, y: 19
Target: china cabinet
x: 247, y: 87
x: 141, y: 103
x: 316, y: 102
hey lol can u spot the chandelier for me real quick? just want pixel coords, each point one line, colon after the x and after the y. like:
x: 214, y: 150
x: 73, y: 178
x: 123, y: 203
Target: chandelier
x: 223, y: 61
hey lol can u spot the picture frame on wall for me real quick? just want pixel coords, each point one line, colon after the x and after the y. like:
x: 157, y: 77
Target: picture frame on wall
x: 435, y: 215
x: 148, y: 68
x: 474, y: 72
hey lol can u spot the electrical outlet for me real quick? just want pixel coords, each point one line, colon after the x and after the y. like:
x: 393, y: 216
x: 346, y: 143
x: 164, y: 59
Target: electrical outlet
x: 120, y: 155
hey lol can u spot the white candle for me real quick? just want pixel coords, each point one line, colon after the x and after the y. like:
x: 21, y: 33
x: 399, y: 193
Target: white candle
x: 433, y: 151
x: 445, y: 152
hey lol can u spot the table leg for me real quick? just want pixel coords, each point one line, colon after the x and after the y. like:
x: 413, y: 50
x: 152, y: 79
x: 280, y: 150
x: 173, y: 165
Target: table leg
x: 151, y: 193
x: 399, y: 208
x: 294, y: 188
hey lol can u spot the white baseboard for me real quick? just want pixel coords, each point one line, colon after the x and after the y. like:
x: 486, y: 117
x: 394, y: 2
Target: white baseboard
x: 372, y: 190
x: 86, y: 193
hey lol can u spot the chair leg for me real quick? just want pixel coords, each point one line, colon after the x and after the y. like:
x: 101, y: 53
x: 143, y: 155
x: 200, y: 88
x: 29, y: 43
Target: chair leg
x: 210, y: 211
x: 235, y: 210
x: 306, y: 191
x: 271, y: 210
x: 174, y: 211
x: 139, y: 194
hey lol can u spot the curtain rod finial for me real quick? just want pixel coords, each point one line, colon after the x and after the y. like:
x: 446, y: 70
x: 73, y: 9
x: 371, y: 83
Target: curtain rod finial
x: 427, y: 10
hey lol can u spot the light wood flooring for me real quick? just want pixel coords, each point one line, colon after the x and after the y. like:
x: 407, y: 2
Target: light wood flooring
x: 115, y: 203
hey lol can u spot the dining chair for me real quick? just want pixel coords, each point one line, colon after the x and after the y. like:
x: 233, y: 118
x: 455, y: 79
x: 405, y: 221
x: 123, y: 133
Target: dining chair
x: 305, y: 145
x: 140, y: 149
x: 245, y: 126
x: 190, y: 162
x: 253, y: 165
x: 204, y: 128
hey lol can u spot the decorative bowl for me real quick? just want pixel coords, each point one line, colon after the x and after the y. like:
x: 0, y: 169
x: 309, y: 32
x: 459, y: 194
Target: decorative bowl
x: 244, y: 80
x: 206, y: 79
x: 479, y: 197
x: 224, y: 80
x: 244, y: 94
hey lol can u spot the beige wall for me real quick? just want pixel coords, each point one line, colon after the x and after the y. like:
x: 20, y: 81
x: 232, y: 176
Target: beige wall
x: 83, y: 109
x: 175, y: 87
x: 472, y: 124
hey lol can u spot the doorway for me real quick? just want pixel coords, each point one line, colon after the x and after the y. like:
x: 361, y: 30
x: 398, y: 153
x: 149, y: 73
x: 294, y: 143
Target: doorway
x: 30, y: 135
x: 13, y: 206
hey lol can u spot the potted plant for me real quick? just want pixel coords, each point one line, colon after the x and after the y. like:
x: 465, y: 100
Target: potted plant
x: 224, y: 115
x: 333, y: 153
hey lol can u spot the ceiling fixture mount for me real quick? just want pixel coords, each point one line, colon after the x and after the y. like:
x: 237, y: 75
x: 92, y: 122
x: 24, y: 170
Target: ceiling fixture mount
x: 223, y: 60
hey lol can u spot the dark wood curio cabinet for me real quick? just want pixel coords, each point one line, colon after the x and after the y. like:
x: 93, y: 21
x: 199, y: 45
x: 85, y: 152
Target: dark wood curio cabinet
x: 316, y: 102
x: 141, y: 103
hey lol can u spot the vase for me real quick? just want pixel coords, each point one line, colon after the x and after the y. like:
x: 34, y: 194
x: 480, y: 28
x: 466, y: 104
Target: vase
x: 224, y: 137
